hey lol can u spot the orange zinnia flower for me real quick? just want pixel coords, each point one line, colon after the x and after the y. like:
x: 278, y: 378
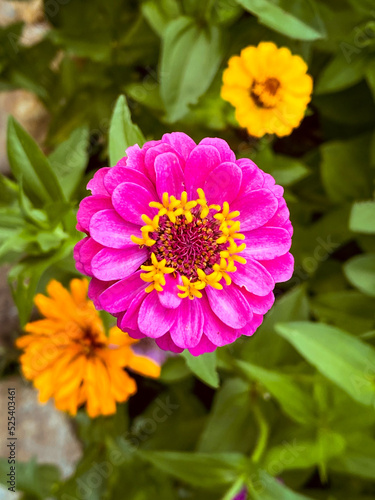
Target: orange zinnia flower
x: 68, y: 356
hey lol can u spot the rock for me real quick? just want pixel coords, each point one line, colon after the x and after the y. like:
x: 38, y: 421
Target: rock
x: 27, y: 109
x: 23, y: 105
x: 42, y: 431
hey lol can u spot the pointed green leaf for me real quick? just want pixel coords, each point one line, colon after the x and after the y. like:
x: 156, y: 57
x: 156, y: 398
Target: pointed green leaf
x: 339, y: 75
x: 341, y: 357
x: 294, y: 401
x: 345, y: 169
x: 190, y: 58
x: 29, y: 163
x: 203, y: 366
x: 360, y: 271
x: 122, y: 132
x: 205, y: 470
x: 229, y: 425
x: 298, y: 19
x: 265, y: 487
x: 69, y: 160
x: 302, y: 454
x: 362, y: 217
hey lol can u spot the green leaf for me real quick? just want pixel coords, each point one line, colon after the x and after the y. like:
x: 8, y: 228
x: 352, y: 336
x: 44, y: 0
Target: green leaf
x: 29, y: 164
x: 284, y: 169
x: 228, y: 427
x: 298, y: 19
x: 345, y: 169
x: 294, y: 401
x: 339, y: 74
x: 353, y: 106
x: 358, y: 459
x: 190, y: 58
x: 342, y: 358
x: 362, y: 217
x: 25, y: 277
x: 265, y: 347
x: 8, y: 191
x: 174, y: 369
x: 262, y: 486
x: 306, y: 453
x: 77, y: 485
x: 122, y: 132
x: 178, y: 418
x: 347, y: 309
x: 205, y: 470
x: 35, y: 479
x: 204, y: 367
x: 69, y: 160
x: 159, y: 13
x: 224, y: 12
x: 360, y: 271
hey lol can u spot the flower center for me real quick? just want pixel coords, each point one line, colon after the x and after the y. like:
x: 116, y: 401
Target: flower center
x: 264, y: 93
x: 192, y: 239
x: 86, y: 335
x: 189, y: 246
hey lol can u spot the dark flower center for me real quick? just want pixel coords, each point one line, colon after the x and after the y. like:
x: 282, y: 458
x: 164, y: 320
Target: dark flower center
x: 189, y: 246
x: 264, y: 93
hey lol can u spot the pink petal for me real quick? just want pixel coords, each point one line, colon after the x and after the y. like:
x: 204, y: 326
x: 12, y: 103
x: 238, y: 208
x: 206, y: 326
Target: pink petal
x: 96, y: 184
x: 180, y: 142
x: 281, y: 215
x: 150, y: 157
x: 288, y: 226
x: 223, y: 183
x: 188, y: 328
x: 281, y: 268
x: 154, y: 320
x: 226, y: 154
x: 254, y: 277
x: 76, y: 255
x: 131, y: 201
x: 118, y: 297
x: 96, y: 288
x: 270, y: 183
x: 87, y: 252
x: 252, y: 176
x: 118, y: 175
x: 168, y: 297
x: 109, y: 229
x: 122, y: 161
x: 135, y: 158
x: 217, y: 332
x: 256, y: 208
x: 201, y: 161
x: 229, y: 305
x: 259, y: 305
x: 166, y: 343
x: 135, y: 334
x: 205, y: 345
x: 253, y: 325
x: 266, y: 243
x: 89, y: 206
x: 130, y: 318
x: 169, y: 175
x: 114, y: 264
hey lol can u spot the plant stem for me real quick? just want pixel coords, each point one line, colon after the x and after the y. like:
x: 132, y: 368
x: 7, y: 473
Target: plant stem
x: 263, y: 435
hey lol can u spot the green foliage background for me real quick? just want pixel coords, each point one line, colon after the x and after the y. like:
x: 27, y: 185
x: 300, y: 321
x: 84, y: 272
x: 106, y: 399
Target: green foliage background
x: 289, y: 412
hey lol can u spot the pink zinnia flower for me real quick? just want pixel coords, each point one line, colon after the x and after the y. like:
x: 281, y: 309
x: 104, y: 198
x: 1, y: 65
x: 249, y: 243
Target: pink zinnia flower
x: 184, y: 243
